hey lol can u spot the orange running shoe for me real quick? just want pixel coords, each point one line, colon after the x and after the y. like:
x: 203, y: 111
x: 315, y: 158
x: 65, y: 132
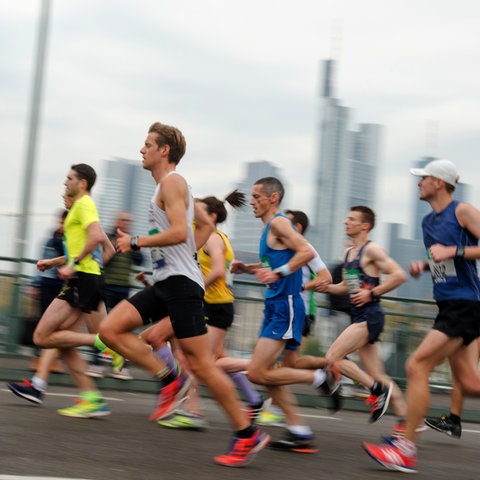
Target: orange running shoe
x: 170, y: 396
x: 243, y: 450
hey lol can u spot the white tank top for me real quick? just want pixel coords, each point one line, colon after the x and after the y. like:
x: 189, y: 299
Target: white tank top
x: 179, y: 259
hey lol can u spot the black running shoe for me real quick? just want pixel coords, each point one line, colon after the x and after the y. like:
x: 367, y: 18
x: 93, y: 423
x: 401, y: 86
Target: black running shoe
x: 331, y: 387
x: 27, y: 391
x: 379, y: 403
x: 445, y: 425
x: 295, y: 443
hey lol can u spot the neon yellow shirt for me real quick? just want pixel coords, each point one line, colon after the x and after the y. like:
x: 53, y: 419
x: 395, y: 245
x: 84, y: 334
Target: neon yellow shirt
x: 221, y: 290
x: 81, y: 215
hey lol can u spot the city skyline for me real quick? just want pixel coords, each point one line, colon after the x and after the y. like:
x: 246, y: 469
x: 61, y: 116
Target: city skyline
x: 238, y: 97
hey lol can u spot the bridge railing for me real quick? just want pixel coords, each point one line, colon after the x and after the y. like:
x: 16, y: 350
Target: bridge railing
x: 407, y: 321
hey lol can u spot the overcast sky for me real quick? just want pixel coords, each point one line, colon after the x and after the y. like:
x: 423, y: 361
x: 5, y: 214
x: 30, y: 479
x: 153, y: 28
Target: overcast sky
x: 241, y: 80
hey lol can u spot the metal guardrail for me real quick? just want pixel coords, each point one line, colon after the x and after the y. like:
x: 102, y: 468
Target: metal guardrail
x: 407, y: 321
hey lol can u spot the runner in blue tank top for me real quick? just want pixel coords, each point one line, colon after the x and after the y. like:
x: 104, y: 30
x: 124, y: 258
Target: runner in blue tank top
x: 451, y: 233
x: 283, y: 253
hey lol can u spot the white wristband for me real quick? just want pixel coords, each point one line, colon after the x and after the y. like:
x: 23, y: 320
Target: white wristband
x: 284, y: 270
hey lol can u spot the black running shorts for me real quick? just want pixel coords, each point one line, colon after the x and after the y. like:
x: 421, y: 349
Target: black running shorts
x: 177, y: 297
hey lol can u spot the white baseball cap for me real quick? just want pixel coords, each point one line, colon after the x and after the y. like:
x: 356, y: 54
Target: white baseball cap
x: 443, y: 169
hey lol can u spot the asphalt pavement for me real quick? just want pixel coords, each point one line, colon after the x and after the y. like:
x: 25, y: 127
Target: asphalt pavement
x: 37, y: 442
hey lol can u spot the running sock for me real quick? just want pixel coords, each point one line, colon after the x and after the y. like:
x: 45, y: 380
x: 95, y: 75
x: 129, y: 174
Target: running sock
x: 246, y: 432
x: 376, y: 388
x: 166, y: 356
x: 252, y: 397
x: 300, y: 430
x: 319, y: 376
x: 165, y: 376
x: 455, y: 419
x: 92, y: 396
x: 39, y: 384
x: 98, y: 344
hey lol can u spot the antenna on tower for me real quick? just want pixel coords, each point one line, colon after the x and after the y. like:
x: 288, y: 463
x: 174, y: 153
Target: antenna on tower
x: 328, y: 65
x: 336, y: 40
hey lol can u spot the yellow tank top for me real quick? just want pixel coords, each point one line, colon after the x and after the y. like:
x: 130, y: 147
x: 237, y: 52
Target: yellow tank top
x: 221, y: 290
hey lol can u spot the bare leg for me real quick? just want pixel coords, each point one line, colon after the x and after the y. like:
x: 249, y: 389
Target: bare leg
x: 221, y: 387
x: 116, y: 331
x: 434, y: 348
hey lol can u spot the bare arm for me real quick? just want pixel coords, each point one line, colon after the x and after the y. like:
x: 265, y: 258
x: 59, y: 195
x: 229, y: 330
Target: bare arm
x: 204, y: 226
x: 239, y: 267
x: 46, y: 264
x: 323, y: 275
x: 108, y: 250
x: 377, y: 259
x: 215, y: 248
x: 468, y: 217
x: 173, y: 198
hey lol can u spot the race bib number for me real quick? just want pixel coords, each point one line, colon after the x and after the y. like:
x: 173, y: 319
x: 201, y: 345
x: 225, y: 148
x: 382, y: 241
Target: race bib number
x: 441, y: 270
x: 157, y: 254
x: 352, y: 278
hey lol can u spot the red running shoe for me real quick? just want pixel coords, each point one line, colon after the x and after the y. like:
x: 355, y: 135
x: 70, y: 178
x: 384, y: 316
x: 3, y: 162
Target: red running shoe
x: 170, y: 396
x: 390, y: 456
x: 243, y: 450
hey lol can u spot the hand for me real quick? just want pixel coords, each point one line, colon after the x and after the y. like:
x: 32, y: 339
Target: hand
x: 238, y: 267
x: 416, y: 268
x: 360, y: 297
x: 66, y: 272
x: 140, y: 276
x: 441, y: 252
x: 43, y: 265
x: 320, y: 285
x: 266, y: 275
x: 123, y: 241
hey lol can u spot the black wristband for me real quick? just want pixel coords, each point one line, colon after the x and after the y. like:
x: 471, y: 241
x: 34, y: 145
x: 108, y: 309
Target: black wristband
x: 76, y: 262
x: 373, y: 295
x: 134, y: 243
x: 460, y: 252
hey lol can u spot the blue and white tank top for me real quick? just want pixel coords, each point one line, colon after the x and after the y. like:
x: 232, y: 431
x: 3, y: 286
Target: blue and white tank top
x: 272, y: 258
x: 454, y: 278
x: 179, y: 259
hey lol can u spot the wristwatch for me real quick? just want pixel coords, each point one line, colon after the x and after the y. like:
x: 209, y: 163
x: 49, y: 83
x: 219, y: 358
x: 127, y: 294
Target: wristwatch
x: 134, y: 243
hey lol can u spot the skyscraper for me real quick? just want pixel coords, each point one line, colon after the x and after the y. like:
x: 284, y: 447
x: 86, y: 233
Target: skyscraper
x: 125, y: 186
x: 346, y: 174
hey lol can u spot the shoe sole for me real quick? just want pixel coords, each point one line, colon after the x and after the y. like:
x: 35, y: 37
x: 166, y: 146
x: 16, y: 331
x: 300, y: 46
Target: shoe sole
x: 181, y: 426
x: 93, y: 415
x: 390, y: 466
x: 385, y: 406
x: 119, y: 376
x: 30, y: 398
x: 295, y: 450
